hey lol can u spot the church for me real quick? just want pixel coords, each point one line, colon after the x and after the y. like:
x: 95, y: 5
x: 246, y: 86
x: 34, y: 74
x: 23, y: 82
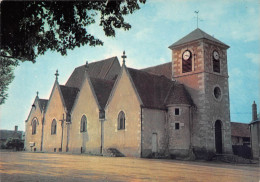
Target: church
x: 178, y: 109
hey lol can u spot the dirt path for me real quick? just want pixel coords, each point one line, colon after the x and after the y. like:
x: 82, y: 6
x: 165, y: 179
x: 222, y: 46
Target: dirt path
x: 20, y: 166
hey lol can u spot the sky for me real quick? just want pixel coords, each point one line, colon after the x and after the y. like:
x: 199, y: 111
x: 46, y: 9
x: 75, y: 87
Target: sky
x: 157, y: 25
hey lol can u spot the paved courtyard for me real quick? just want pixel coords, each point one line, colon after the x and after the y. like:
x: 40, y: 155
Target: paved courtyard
x: 21, y: 166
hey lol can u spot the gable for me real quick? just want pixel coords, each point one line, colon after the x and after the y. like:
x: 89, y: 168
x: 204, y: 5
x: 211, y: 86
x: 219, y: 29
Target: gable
x: 123, y: 86
x: 35, y: 111
x: 56, y: 101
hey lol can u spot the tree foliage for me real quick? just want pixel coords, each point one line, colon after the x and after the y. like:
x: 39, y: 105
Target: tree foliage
x: 30, y: 28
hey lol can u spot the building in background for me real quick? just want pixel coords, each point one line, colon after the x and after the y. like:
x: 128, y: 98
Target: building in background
x: 10, y: 134
x: 240, y: 134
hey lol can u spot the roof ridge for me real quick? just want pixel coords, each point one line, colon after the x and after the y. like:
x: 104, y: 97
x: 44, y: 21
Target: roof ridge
x: 113, y: 60
x: 153, y: 75
x: 155, y: 65
x: 98, y: 61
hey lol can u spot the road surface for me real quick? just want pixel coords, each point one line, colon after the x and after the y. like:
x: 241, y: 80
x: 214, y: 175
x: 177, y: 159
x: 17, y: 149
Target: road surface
x: 22, y: 166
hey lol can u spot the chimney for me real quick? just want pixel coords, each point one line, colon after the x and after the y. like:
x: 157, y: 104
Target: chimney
x: 15, y: 128
x: 254, y: 111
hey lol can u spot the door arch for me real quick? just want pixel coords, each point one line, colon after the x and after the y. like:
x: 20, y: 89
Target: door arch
x: 218, y: 137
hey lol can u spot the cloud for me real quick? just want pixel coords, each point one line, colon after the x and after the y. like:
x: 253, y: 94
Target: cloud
x: 254, y: 58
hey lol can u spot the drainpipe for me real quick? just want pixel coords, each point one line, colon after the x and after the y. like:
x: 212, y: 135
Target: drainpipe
x: 62, y: 130
x: 190, y: 128
x: 42, y: 132
x: 141, y: 146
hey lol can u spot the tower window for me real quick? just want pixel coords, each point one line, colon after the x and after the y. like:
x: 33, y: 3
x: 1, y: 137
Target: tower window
x: 216, y: 62
x: 177, y: 126
x: 216, y: 66
x: 177, y: 111
x: 217, y: 93
x: 121, y: 121
x: 186, y: 61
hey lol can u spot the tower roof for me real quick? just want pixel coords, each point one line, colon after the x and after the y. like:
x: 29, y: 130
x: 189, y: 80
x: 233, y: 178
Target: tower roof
x: 196, y: 35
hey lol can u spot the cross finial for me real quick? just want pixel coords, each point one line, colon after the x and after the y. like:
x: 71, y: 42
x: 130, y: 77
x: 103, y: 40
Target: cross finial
x: 56, y: 74
x: 124, y: 56
x: 86, y: 66
x: 37, y: 93
x: 197, y: 12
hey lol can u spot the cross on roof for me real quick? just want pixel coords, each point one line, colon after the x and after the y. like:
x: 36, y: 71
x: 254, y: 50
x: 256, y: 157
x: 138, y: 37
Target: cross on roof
x: 197, y: 12
x: 124, y: 56
x: 56, y: 74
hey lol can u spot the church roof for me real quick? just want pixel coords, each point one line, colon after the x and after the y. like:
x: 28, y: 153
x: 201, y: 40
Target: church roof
x: 196, y: 35
x: 99, y: 69
x: 102, y: 89
x: 178, y: 95
x: 240, y: 129
x: 5, y: 134
x: 43, y: 104
x: 162, y: 69
x: 69, y: 95
x: 152, y: 89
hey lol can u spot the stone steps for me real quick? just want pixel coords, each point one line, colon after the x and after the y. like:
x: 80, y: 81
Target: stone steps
x: 113, y: 152
x: 229, y: 158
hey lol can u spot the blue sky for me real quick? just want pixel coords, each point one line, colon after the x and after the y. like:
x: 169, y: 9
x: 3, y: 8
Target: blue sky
x: 157, y: 25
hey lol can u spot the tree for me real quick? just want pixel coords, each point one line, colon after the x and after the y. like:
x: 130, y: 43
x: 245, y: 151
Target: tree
x: 30, y: 28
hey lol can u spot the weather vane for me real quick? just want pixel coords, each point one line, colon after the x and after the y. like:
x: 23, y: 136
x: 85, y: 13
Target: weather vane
x: 197, y: 12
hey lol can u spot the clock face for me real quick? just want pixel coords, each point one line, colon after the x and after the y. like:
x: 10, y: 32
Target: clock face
x: 186, y: 55
x: 215, y: 55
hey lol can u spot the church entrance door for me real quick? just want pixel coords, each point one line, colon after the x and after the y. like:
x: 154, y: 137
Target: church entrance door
x: 218, y: 136
x: 154, y: 143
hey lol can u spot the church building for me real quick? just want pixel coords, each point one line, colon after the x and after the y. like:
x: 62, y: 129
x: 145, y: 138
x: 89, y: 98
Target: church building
x: 178, y: 109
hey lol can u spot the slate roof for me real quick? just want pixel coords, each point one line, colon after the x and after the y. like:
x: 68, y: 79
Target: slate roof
x: 152, y: 89
x: 5, y: 134
x: 102, y: 89
x: 99, y: 69
x: 240, y: 129
x: 162, y: 69
x: 43, y: 104
x: 69, y: 95
x: 196, y: 35
x: 178, y: 95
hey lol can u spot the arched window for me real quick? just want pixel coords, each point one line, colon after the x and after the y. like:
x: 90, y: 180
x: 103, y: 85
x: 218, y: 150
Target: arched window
x: 83, y: 125
x: 216, y: 62
x: 34, y: 124
x: 121, y: 121
x: 186, y: 61
x: 53, y: 127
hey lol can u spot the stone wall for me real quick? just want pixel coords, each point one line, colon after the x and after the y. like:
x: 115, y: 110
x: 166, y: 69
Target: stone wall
x: 200, y: 83
x: 153, y: 123
x: 89, y: 141
x: 55, y: 110
x: 179, y: 127
x: 29, y: 137
x: 124, y: 98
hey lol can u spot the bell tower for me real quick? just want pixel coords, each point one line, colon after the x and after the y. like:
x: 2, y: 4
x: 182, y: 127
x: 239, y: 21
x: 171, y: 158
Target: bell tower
x: 199, y: 61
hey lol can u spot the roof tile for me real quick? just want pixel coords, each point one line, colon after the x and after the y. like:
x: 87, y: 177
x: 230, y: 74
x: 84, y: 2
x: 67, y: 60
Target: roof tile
x: 196, y: 35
